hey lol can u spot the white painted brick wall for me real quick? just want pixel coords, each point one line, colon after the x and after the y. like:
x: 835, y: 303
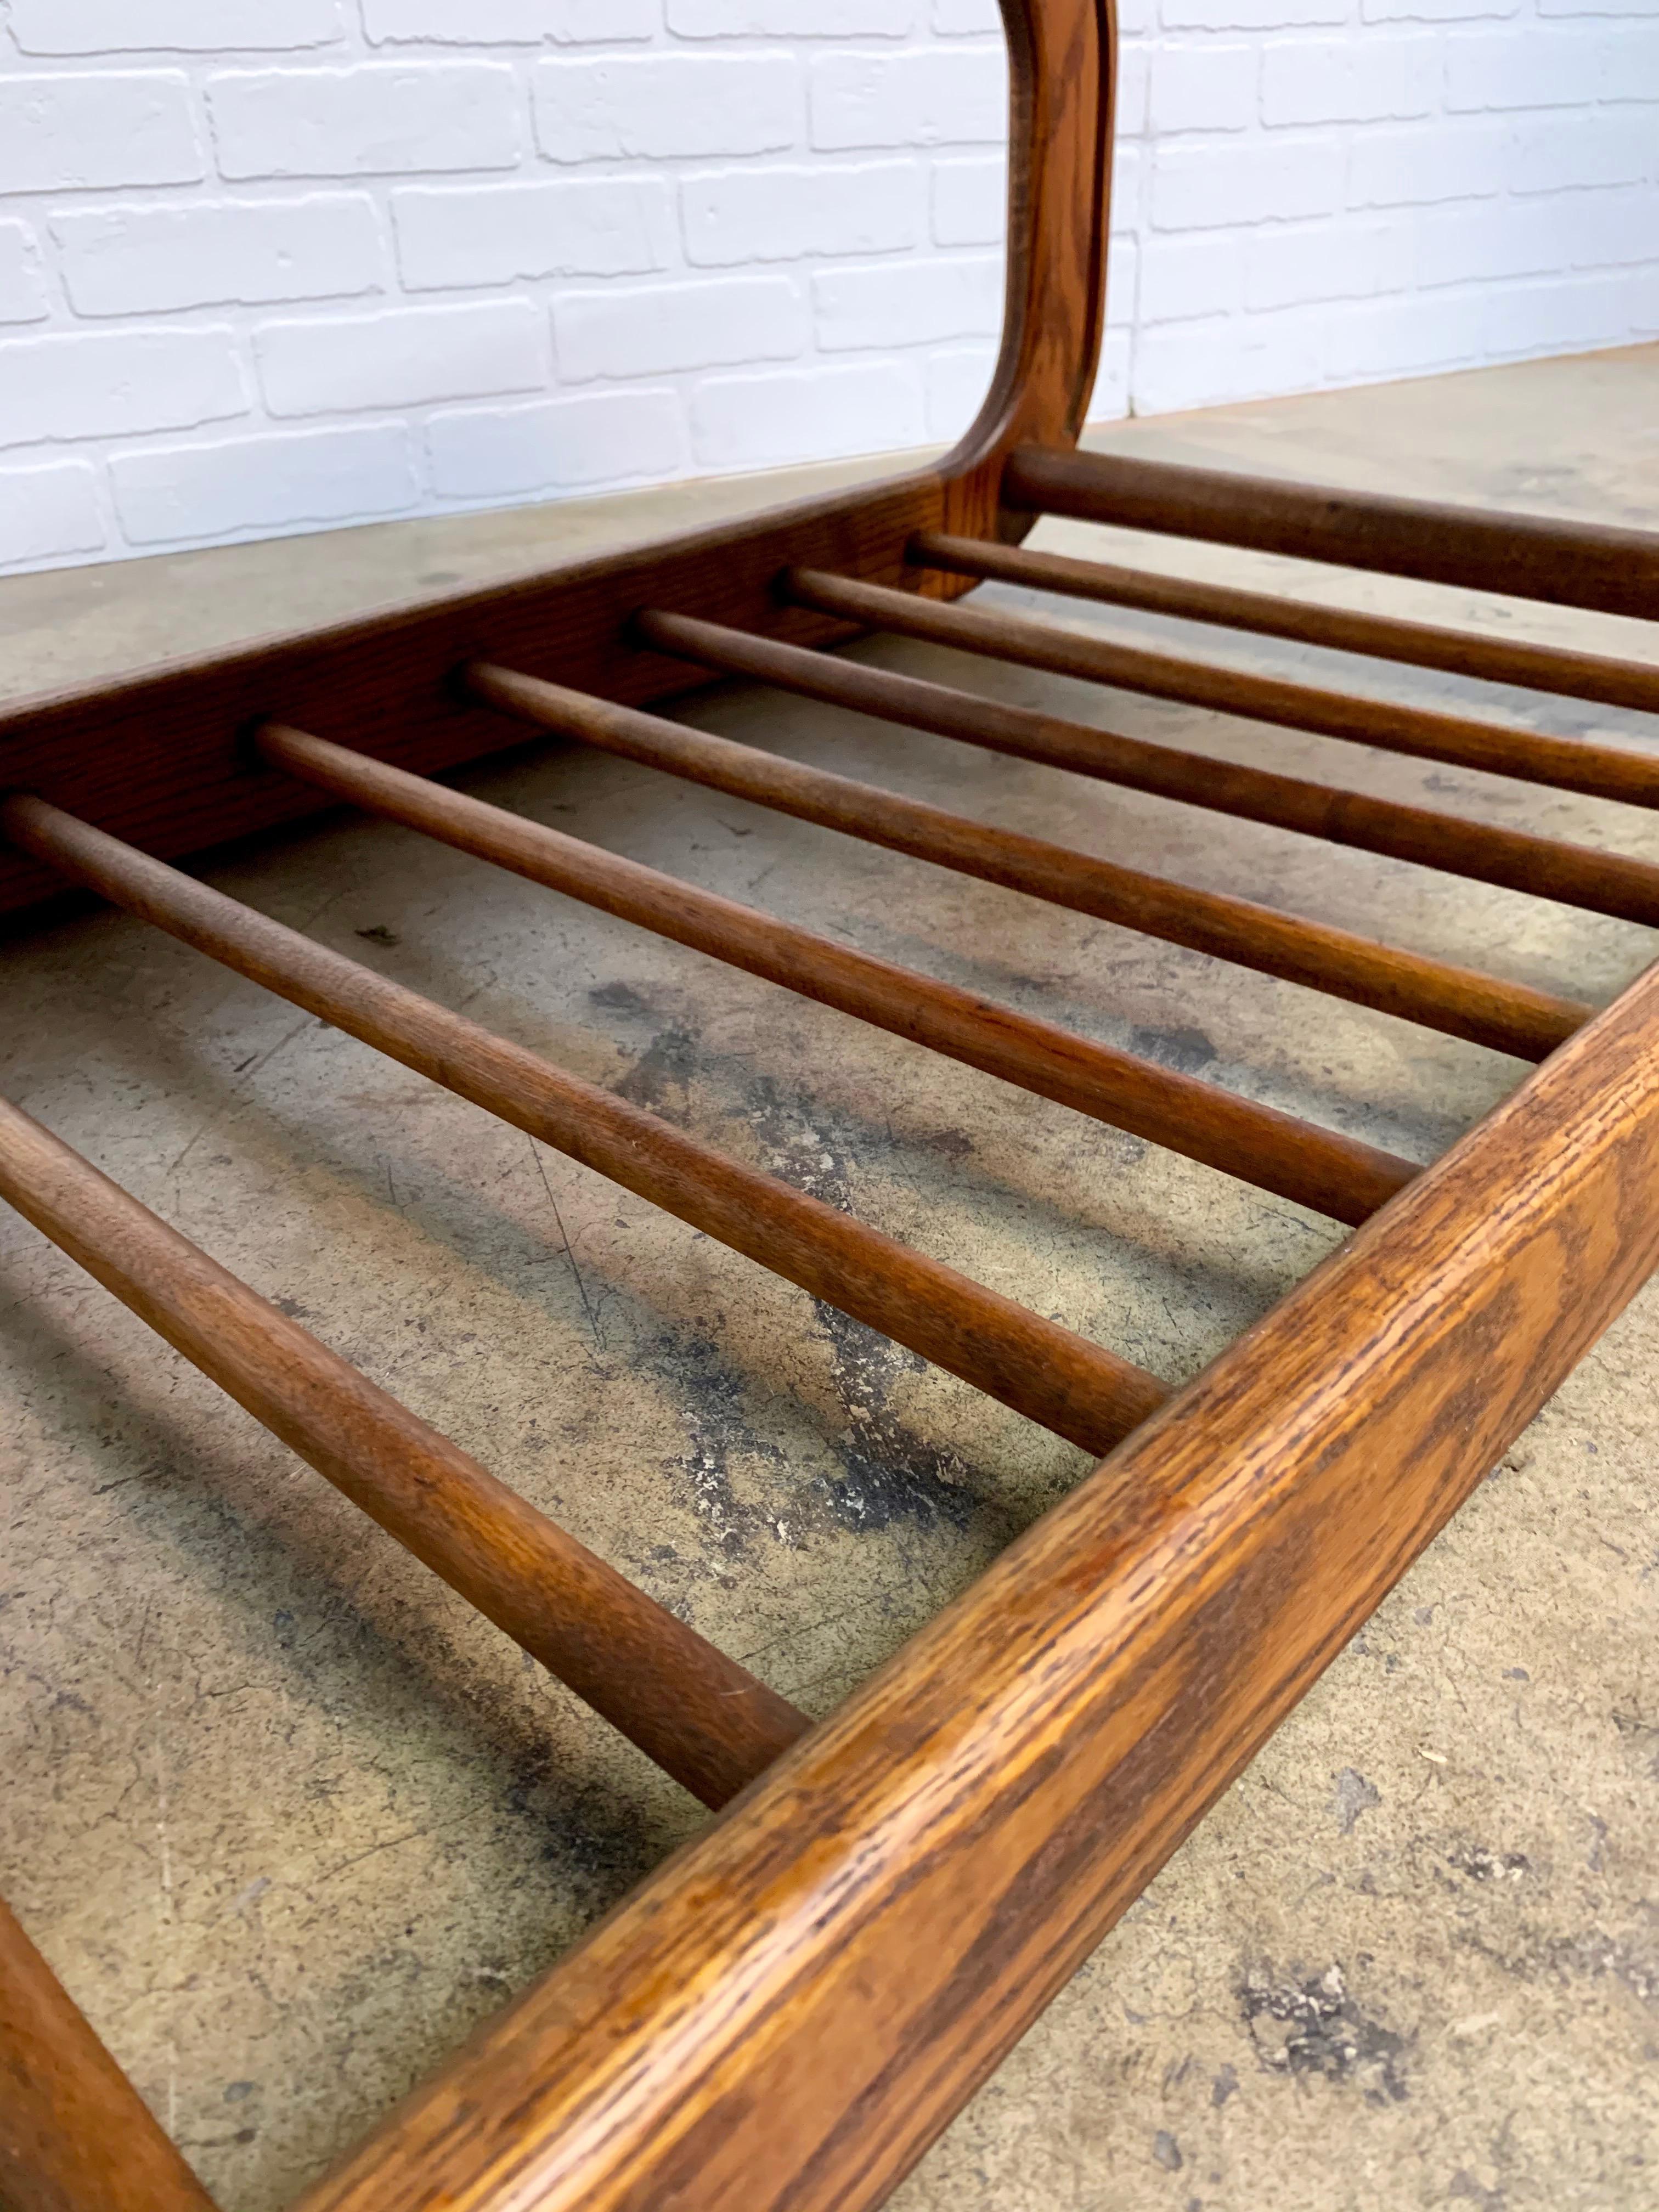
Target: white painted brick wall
x: 400, y: 357
x: 272, y: 265
x: 22, y: 281
x: 73, y: 385
x: 126, y: 260
x: 659, y: 329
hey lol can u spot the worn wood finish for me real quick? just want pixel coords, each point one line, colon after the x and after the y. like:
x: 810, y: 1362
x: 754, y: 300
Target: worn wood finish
x: 1333, y: 1174
x: 75, y: 2135
x: 1555, y: 668
x: 1567, y: 763
x: 1116, y: 1087
x: 785, y: 2015
x: 1531, y: 557
x: 1078, y: 1389
x: 1509, y: 1017
x: 704, y: 1719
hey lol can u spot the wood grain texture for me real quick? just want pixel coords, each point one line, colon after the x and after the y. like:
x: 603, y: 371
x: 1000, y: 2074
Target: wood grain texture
x: 75, y: 2135
x: 787, y: 2013
x: 1546, y: 867
x: 1509, y: 1017
x: 1574, y: 675
x: 704, y: 1719
x: 163, y: 759
x: 1116, y: 1087
x: 1332, y: 1173
x: 1575, y: 564
x: 1062, y: 60
x: 784, y: 2015
x: 1080, y: 1390
x: 1421, y: 733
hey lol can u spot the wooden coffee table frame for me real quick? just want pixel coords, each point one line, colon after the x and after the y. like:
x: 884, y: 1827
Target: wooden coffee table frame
x: 788, y: 2011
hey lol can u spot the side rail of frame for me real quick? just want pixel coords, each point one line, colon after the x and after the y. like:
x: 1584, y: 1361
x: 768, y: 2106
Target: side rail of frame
x: 788, y: 2012
x: 163, y: 760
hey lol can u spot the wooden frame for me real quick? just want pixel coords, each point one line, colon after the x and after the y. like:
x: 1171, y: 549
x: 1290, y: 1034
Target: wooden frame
x: 788, y: 2012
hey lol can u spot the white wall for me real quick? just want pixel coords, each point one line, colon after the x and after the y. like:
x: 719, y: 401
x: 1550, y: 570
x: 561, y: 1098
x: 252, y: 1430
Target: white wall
x: 269, y: 266
x: 1333, y: 191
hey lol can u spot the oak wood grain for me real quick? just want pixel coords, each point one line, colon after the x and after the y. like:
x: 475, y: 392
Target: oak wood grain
x: 787, y: 2013
x: 164, y: 760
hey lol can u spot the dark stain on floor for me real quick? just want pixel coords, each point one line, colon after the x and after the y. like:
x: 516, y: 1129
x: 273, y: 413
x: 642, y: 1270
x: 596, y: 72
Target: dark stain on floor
x: 1313, y: 2025
x: 888, y: 1472
x: 1187, y: 1050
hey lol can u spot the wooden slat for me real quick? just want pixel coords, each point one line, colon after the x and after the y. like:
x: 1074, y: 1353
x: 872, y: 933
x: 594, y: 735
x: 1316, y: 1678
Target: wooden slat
x: 1564, y: 763
x: 705, y: 1720
x: 1333, y: 1174
x: 75, y: 2135
x: 1553, y: 668
x: 1078, y: 1389
x: 1576, y: 564
x: 785, y: 2016
x: 1111, y: 1086
x: 1509, y: 1017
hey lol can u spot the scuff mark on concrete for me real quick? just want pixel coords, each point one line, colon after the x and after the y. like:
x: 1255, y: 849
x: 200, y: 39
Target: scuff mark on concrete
x: 1313, y: 2025
x: 1352, y: 1795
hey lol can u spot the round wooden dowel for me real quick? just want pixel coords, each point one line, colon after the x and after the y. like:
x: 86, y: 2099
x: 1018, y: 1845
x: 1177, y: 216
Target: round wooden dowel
x: 1543, y: 867
x: 1078, y: 1389
x: 1565, y: 763
x: 75, y: 2135
x: 1553, y: 668
x: 1114, y: 1086
x: 1509, y: 1017
x: 705, y: 1720
x: 1535, y: 557
x: 1333, y: 1174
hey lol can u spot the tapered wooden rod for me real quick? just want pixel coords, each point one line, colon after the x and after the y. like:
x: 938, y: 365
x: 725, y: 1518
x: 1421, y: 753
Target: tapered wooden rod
x: 1565, y: 763
x: 1112, y: 1086
x: 1578, y: 564
x: 1605, y: 883
x: 75, y: 2135
x: 1333, y: 1174
x: 1509, y: 1017
x: 1078, y: 1389
x: 705, y: 1720
x: 1342, y: 629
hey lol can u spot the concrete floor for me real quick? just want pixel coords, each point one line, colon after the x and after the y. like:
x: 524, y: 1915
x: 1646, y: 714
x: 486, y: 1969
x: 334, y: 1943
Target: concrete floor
x: 288, y: 1818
